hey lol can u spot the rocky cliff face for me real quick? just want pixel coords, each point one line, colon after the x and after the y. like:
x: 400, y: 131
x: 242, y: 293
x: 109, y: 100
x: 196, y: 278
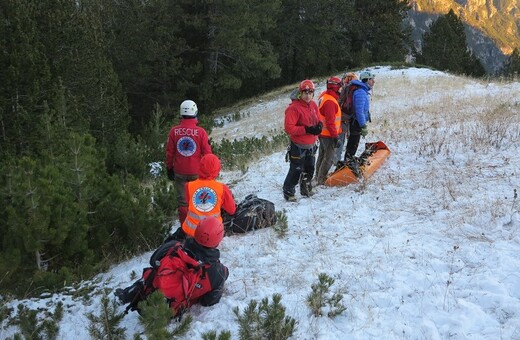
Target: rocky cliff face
x: 492, y: 26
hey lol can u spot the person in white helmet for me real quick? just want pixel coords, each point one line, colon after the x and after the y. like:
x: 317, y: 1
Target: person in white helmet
x: 186, y: 145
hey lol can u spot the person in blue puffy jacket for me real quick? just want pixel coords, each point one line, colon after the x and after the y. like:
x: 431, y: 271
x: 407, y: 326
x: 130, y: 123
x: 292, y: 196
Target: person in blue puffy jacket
x: 361, y: 106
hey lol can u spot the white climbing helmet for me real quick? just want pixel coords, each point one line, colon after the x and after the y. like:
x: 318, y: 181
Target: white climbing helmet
x: 366, y: 75
x: 189, y: 109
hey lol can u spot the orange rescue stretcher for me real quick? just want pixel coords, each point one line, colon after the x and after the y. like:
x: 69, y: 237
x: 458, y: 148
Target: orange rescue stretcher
x: 369, y: 161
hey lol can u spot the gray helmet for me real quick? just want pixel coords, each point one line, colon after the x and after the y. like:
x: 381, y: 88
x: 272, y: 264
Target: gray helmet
x: 189, y: 108
x: 366, y: 75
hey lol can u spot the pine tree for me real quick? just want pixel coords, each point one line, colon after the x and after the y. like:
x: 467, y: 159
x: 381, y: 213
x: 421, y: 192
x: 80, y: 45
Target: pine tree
x: 250, y: 62
x: 379, y: 34
x: 228, y: 39
x: 122, y: 219
x: 38, y: 215
x: 146, y: 46
x: 25, y: 76
x: 84, y: 84
x: 79, y: 84
x: 445, y: 47
x: 106, y: 326
x: 156, y: 317
x: 265, y: 320
x: 312, y: 37
x: 512, y: 65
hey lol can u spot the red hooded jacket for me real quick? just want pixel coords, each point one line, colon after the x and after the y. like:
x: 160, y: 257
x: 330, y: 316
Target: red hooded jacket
x: 298, y: 115
x: 186, y: 145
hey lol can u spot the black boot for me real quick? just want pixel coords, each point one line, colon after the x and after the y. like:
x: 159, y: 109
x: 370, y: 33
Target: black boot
x: 353, y: 164
x: 339, y: 165
x: 306, y: 185
x: 289, y: 195
x: 131, y: 293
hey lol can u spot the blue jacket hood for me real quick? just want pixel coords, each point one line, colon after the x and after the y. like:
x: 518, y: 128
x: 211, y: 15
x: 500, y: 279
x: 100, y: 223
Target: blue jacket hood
x: 360, y: 84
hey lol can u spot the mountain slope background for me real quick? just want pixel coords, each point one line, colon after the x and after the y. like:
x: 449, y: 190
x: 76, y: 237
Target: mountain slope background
x: 492, y: 27
x: 428, y: 248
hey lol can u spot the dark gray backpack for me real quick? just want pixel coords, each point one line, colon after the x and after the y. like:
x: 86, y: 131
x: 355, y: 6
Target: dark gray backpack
x: 252, y: 213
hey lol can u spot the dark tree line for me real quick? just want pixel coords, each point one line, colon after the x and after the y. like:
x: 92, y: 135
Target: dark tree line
x: 512, y: 65
x: 444, y: 48
x: 88, y: 90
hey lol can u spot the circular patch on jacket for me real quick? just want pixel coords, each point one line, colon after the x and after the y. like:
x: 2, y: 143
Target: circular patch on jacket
x: 204, y: 199
x: 186, y: 146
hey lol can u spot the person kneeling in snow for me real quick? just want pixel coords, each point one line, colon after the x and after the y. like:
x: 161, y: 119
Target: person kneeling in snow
x: 186, y: 274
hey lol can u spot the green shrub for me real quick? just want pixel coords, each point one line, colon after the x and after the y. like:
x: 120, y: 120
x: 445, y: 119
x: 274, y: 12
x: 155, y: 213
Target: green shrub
x: 34, y: 327
x: 265, y: 320
x: 237, y: 154
x: 5, y: 312
x: 281, y: 227
x: 321, y: 297
x: 156, y: 317
x: 212, y: 335
x: 106, y: 324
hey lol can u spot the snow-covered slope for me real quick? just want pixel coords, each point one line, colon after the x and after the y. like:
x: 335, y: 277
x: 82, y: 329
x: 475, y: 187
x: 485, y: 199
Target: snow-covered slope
x: 428, y: 248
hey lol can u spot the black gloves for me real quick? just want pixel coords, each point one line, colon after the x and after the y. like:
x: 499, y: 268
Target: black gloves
x: 335, y: 143
x: 315, y: 129
x: 171, y: 174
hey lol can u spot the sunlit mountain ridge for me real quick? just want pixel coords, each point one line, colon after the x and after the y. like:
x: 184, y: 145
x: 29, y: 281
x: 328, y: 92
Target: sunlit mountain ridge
x: 492, y: 26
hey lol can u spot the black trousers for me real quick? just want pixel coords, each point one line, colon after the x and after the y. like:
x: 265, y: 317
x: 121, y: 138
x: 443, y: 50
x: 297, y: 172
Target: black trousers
x: 301, y: 168
x: 353, y: 139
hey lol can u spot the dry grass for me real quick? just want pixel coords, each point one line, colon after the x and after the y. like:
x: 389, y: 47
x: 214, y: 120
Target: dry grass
x: 462, y: 133
x: 445, y: 113
x: 453, y: 127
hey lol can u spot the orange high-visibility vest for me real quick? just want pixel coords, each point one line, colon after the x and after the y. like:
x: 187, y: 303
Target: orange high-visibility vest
x: 337, y: 121
x: 205, y: 199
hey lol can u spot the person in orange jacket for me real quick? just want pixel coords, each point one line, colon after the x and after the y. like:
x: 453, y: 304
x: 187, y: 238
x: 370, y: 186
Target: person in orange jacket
x: 303, y: 126
x: 186, y: 145
x: 206, y: 197
x: 330, y: 115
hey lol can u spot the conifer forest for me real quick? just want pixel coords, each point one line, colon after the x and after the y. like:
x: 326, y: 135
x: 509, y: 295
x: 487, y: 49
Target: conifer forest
x: 89, y: 90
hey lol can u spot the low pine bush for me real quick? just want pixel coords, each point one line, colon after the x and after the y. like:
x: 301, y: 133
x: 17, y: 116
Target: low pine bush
x: 281, y: 227
x: 212, y: 335
x: 34, y: 327
x: 265, y: 320
x: 106, y: 324
x: 156, y: 317
x: 321, y: 297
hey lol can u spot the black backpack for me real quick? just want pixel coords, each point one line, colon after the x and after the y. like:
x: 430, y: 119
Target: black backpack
x: 252, y: 213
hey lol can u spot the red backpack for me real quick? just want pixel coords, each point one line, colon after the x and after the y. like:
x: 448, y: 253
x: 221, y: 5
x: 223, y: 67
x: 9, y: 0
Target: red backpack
x: 181, y: 279
x: 345, y: 101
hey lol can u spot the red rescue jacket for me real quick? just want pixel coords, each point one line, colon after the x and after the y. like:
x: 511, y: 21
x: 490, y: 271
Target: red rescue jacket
x: 186, y: 145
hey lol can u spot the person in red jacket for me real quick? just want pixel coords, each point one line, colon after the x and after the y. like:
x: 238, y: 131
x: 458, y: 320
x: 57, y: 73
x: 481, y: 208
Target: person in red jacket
x: 330, y: 115
x: 186, y: 145
x: 303, y: 126
x: 205, y: 197
x: 202, y: 249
